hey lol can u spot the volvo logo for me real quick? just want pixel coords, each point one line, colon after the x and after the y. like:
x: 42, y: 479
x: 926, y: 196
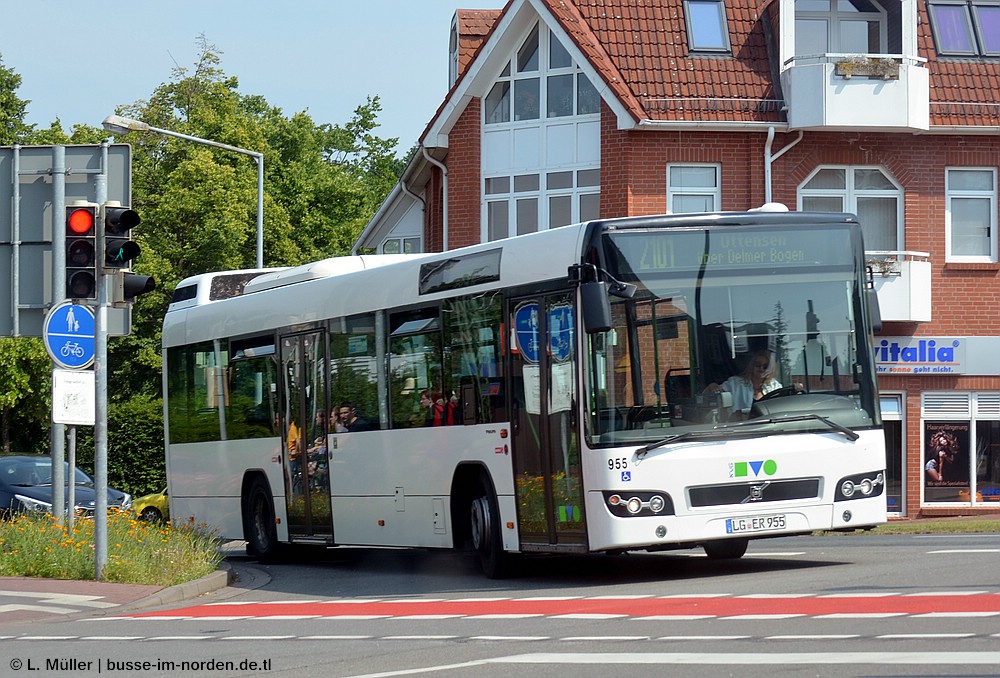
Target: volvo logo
x: 756, y: 492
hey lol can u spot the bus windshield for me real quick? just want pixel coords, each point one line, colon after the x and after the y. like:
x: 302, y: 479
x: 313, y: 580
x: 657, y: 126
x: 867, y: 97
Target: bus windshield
x: 731, y: 326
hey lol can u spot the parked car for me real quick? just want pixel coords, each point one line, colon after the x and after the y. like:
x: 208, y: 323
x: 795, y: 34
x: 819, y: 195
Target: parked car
x: 153, y: 507
x: 26, y: 485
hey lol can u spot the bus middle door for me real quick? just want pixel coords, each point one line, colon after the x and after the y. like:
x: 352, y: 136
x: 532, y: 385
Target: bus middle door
x: 304, y: 412
x: 545, y: 445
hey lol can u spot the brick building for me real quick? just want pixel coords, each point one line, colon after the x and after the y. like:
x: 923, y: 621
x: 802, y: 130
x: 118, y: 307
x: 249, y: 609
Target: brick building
x: 565, y: 110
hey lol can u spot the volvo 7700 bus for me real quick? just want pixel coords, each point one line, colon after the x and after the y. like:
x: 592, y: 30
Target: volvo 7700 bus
x: 585, y: 389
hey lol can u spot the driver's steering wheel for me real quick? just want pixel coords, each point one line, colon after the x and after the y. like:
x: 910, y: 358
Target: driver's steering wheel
x: 780, y: 392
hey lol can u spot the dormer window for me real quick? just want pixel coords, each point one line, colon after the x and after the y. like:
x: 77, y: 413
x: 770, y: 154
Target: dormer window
x: 970, y: 28
x: 707, y: 30
x: 453, y: 53
x: 840, y: 26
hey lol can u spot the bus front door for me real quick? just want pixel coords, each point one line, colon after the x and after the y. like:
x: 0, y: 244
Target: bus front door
x: 306, y: 459
x: 545, y: 445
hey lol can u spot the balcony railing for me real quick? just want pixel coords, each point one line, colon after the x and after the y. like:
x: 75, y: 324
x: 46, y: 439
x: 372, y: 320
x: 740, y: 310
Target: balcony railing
x: 902, y: 283
x: 880, y: 92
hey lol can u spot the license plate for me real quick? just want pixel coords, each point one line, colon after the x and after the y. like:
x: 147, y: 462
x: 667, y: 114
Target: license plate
x: 755, y: 524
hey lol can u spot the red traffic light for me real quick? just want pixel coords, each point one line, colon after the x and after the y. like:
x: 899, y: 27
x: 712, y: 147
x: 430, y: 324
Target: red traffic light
x: 80, y: 221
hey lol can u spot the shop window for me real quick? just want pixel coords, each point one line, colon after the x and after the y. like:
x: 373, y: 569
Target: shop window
x: 961, y: 448
x: 891, y: 406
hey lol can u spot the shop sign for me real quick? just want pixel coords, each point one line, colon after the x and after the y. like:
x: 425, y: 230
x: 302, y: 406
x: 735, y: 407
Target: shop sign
x: 937, y: 355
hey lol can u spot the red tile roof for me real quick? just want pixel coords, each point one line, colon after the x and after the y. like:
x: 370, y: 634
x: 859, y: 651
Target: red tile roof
x: 645, y: 43
x: 473, y: 27
x: 640, y: 49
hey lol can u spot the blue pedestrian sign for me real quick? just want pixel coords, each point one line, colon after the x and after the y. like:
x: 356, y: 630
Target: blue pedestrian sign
x: 69, y: 335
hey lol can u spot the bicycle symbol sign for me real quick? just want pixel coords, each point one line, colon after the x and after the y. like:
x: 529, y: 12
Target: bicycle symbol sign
x: 69, y: 335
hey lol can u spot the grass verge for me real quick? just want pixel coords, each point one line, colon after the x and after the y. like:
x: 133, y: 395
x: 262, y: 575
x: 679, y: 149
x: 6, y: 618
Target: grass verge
x: 139, y: 552
x: 933, y: 526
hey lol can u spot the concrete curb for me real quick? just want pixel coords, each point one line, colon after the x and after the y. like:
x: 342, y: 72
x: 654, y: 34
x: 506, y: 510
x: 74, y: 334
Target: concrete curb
x: 214, y: 581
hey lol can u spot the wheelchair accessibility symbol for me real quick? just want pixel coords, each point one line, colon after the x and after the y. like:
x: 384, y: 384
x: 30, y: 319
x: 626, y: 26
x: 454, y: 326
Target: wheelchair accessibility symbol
x: 626, y: 476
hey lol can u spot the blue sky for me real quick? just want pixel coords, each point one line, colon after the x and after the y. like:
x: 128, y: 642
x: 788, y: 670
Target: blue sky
x: 79, y: 60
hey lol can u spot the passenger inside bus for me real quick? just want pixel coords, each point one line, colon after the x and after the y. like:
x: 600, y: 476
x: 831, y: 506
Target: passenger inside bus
x: 438, y: 411
x: 348, y: 419
x: 293, y: 440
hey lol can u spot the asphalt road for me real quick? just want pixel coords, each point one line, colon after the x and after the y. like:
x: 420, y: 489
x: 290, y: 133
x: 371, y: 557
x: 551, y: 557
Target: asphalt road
x: 818, y: 606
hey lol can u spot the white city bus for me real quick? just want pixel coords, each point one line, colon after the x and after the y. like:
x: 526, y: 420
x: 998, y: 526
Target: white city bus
x: 571, y: 381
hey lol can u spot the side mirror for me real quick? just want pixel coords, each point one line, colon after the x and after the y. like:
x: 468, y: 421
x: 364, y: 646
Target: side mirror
x: 596, y: 307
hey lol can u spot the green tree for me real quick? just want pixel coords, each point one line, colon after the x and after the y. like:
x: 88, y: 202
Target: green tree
x: 25, y: 395
x: 13, y: 129
x: 198, y: 204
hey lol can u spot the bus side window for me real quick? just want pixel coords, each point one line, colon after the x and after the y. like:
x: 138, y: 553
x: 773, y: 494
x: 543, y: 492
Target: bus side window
x: 414, y: 365
x: 251, y: 409
x: 193, y: 383
x: 354, y: 366
x: 473, y: 358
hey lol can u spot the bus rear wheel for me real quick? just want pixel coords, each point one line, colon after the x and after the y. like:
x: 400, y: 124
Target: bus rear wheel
x: 485, y: 527
x: 262, y: 537
x: 726, y: 549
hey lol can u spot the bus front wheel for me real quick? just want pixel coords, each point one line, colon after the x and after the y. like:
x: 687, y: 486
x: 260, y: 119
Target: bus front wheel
x: 262, y: 537
x: 485, y: 527
x: 726, y: 549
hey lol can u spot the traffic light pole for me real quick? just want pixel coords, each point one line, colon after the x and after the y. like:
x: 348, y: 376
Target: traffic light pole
x: 57, y: 432
x: 101, y: 421
x: 101, y: 390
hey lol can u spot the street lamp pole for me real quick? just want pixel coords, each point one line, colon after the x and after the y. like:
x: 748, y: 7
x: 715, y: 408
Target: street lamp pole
x: 117, y: 124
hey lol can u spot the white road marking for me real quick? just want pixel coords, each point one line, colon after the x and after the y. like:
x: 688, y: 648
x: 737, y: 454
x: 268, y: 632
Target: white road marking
x: 716, y: 659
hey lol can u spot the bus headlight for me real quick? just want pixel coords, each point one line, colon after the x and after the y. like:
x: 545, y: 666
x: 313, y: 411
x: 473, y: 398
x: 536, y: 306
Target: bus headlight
x: 639, y: 504
x: 860, y: 486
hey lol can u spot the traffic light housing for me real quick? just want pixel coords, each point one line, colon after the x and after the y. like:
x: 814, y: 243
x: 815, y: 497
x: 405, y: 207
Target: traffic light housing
x: 127, y: 286
x: 119, y: 248
x: 119, y: 251
x: 81, y: 251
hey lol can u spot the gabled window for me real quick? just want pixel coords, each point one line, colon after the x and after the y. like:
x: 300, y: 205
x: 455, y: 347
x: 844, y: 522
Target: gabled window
x: 540, y: 83
x: 865, y: 191
x: 707, y: 30
x: 965, y: 28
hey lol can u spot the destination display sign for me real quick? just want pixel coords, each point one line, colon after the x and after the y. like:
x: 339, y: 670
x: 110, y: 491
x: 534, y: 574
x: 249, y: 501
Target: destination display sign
x: 735, y: 248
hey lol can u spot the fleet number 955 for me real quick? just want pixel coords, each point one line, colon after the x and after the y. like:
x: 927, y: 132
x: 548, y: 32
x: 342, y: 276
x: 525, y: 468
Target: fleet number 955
x: 617, y: 463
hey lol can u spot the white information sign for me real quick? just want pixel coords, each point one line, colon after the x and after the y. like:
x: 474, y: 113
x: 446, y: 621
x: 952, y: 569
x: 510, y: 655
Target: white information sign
x: 73, y: 397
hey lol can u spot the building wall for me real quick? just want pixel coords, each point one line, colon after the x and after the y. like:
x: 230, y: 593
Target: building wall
x: 464, y: 179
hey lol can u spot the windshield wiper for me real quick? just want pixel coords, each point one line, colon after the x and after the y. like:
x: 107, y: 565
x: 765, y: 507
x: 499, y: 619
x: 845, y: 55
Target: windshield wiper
x: 851, y: 435
x: 641, y: 452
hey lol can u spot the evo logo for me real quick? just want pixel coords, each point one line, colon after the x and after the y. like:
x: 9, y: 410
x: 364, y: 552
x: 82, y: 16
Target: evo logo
x: 752, y: 469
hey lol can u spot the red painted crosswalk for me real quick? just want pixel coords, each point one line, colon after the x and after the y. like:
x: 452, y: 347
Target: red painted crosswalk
x: 978, y: 604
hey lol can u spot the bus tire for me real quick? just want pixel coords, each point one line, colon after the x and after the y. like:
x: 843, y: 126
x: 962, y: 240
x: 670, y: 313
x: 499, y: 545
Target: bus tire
x: 726, y: 549
x: 262, y: 536
x: 484, y: 517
